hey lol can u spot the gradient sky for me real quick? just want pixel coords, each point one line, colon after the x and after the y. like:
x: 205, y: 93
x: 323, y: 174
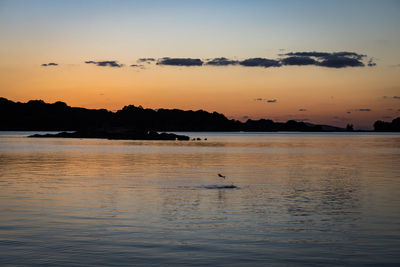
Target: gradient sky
x: 71, y: 32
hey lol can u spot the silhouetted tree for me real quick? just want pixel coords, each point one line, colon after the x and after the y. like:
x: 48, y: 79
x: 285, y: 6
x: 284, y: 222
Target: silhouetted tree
x: 349, y: 127
x: 382, y: 126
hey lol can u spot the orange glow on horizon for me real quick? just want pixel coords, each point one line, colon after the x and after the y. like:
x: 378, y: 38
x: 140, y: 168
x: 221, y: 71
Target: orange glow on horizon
x: 322, y: 94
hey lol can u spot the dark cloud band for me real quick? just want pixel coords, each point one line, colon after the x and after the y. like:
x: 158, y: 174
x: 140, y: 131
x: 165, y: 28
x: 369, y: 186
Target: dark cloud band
x: 322, y: 59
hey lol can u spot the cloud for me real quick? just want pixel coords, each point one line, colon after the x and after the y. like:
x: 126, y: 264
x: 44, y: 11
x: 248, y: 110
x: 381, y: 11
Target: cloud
x: 307, y: 54
x: 326, y: 54
x: 302, y: 109
x: 322, y: 59
x: 299, y: 61
x: 147, y: 60
x: 180, y: 61
x: 136, y: 66
x: 371, y: 63
x: 222, y: 61
x: 325, y: 59
x: 348, y: 112
x: 260, y: 62
x: 109, y: 63
x: 49, y: 64
x: 393, y: 97
x: 364, y: 109
x: 266, y: 100
x: 340, y: 62
x: 387, y: 117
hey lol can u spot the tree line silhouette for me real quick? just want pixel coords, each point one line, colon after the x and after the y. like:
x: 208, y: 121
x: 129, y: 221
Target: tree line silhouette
x: 382, y: 126
x: 37, y: 115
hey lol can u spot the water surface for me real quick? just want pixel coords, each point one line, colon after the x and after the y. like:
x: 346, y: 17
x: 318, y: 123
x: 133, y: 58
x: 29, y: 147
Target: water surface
x: 301, y: 199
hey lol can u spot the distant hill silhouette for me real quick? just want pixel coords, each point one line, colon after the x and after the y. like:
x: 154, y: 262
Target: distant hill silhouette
x: 37, y: 115
x: 381, y: 126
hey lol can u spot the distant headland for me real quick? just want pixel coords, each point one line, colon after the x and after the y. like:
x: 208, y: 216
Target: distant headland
x: 132, y: 122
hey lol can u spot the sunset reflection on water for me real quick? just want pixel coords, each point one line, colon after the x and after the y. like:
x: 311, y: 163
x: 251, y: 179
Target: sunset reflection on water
x: 301, y: 199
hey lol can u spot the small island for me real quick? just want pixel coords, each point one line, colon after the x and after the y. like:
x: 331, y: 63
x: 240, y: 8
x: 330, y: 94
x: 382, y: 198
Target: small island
x: 116, y: 134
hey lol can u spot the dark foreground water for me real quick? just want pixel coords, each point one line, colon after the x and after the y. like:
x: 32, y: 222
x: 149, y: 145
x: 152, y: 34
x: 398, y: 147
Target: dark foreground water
x: 302, y: 199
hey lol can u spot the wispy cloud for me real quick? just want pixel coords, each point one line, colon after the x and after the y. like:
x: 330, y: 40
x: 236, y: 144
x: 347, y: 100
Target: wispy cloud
x: 371, y: 62
x: 265, y: 100
x: 147, y: 60
x: 49, y: 64
x: 136, y: 66
x: 391, y: 97
x: 107, y: 63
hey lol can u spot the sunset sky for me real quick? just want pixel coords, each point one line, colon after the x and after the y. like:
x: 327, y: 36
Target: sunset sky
x: 350, y: 72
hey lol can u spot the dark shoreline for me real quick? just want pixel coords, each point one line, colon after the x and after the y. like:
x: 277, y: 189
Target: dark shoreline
x: 37, y: 115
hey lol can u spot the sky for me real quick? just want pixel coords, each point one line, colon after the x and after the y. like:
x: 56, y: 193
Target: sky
x: 326, y: 62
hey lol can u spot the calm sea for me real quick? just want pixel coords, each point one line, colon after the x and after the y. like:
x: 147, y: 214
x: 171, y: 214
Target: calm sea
x: 301, y: 199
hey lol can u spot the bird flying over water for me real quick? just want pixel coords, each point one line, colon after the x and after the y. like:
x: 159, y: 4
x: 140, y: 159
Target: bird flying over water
x: 220, y: 175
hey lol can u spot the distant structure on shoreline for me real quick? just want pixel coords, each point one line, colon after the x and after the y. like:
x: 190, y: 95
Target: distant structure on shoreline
x: 37, y: 115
